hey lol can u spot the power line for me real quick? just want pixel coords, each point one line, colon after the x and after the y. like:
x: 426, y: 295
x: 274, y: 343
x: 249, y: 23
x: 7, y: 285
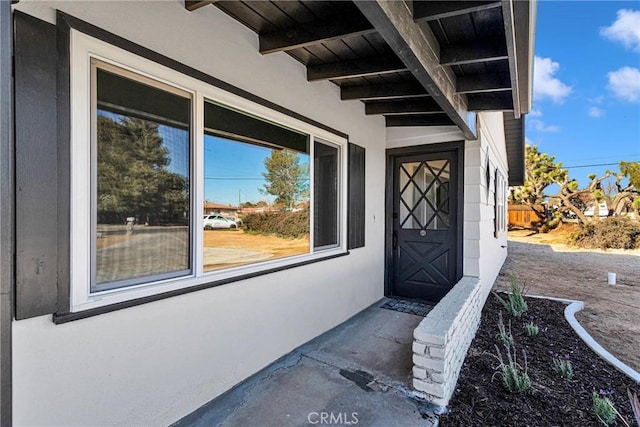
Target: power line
x: 590, y: 166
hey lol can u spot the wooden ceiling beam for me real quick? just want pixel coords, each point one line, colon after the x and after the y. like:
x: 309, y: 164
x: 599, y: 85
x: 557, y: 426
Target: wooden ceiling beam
x: 191, y: 5
x: 355, y: 68
x: 418, y: 48
x: 497, y: 101
x: 489, y: 82
x: 478, y: 51
x: 432, y: 10
x: 383, y: 91
x: 419, y: 120
x: 312, y: 33
x: 409, y: 106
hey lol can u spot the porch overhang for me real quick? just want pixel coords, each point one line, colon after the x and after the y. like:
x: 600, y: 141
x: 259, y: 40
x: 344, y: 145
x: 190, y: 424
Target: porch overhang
x: 416, y: 62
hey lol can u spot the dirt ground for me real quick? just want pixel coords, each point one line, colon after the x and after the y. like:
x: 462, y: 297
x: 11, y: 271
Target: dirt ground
x: 238, y: 239
x: 275, y: 247
x: 612, y: 313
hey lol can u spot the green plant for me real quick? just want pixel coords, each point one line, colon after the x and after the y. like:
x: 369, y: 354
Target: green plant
x: 515, y: 378
x: 531, y: 329
x: 563, y: 367
x: 515, y: 302
x: 604, y: 409
x: 283, y: 224
x: 504, y: 334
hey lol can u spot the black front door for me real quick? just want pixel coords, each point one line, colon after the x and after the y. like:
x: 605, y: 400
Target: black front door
x: 425, y: 240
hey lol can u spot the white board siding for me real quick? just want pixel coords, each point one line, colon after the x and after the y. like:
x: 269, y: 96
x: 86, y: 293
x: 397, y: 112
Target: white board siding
x: 155, y: 363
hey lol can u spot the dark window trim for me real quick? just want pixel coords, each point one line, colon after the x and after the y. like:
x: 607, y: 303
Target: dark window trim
x: 60, y: 318
x: 7, y: 213
x: 64, y: 24
x: 63, y: 33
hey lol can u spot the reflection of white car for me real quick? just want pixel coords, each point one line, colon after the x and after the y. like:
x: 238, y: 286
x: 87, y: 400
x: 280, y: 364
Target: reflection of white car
x: 218, y: 221
x: 238, y: 221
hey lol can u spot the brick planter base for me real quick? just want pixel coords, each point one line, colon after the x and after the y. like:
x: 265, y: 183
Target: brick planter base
x: 442, y: 339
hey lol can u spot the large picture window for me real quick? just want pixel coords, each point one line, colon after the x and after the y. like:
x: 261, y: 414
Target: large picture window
x: 176, y: 183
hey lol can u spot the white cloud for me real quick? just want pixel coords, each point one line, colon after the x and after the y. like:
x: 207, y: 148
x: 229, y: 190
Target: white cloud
x: 544, y: 84
x: 625, y: 29
x: 541, y: 127
x: 595, y: 112
x: 535, y: 113
x: 597, y: 99
x: 625, y: 83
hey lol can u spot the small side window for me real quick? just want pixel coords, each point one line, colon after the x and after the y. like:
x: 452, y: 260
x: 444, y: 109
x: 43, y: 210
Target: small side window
x: 326, y: 195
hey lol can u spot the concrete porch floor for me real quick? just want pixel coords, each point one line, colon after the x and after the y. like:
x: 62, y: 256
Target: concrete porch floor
x: 358, y: 373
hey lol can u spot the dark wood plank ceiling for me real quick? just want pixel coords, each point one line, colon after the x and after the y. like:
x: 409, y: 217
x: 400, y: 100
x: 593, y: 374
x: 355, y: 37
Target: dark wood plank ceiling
x: 335, y: 41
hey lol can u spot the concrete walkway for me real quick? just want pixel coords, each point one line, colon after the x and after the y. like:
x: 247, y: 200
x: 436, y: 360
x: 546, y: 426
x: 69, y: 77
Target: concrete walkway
x: 356, y: 374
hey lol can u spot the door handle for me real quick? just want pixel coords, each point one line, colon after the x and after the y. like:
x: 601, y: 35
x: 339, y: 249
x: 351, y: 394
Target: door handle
x: 394, y: 240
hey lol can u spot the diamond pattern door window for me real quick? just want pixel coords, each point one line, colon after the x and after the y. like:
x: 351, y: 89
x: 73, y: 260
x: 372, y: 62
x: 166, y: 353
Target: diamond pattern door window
x: 424, y: 195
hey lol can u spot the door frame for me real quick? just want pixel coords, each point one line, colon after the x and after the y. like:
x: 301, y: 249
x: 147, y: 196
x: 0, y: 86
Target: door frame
x: 457, y: 147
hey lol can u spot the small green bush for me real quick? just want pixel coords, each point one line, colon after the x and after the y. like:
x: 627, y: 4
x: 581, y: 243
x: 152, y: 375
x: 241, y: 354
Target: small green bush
x: 515, y: 378
x: 609, y: 233
x: 603, y: 409
x: 283, y: 224
x: 515, y: 302
x: 563, y: 367
x: 531, y: 329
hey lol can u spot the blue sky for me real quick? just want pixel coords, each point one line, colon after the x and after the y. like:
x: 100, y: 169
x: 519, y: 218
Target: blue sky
x: 586, y: 108
x: 233, y: 171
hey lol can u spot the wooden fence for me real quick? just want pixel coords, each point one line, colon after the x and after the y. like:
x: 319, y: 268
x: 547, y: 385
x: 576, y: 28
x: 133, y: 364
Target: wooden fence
x: 521, y: 216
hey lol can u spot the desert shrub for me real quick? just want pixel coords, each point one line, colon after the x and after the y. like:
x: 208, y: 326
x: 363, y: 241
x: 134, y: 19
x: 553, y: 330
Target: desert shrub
x: 515, y: 378
x: 283, y: 224
x: 563, y: 366
x: 515, y: 302
x: 603, y: 408
x: 615, y: 232
x: 504, y: 333
x: 531, y: 329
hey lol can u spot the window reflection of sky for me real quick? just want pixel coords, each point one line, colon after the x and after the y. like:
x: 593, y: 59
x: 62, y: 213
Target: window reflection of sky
x: 233, y: 171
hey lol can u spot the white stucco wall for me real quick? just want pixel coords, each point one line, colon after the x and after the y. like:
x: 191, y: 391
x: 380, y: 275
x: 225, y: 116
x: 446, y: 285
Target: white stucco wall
x: 155, y: 363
